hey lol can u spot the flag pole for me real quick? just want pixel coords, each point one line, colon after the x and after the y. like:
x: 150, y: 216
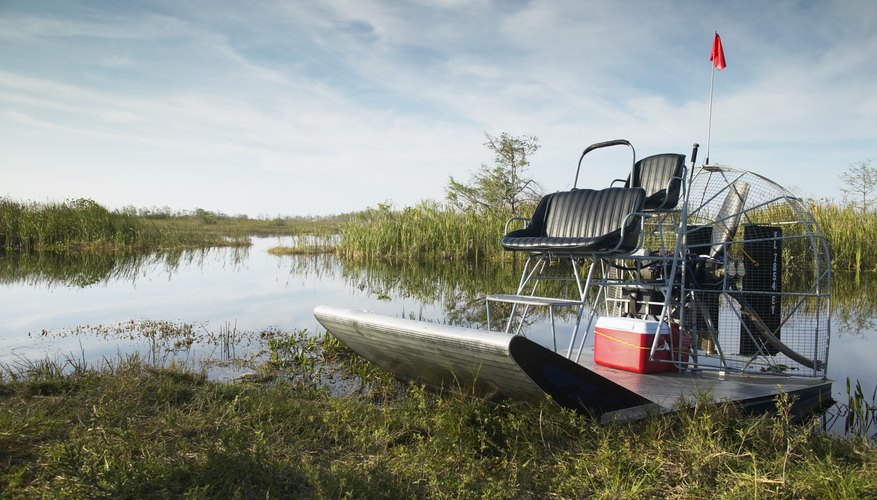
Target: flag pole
x: 717, y: 56
x: 709, y: 122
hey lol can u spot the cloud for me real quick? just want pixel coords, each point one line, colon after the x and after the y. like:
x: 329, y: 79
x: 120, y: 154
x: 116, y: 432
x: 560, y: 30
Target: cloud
x: 116, y: 61
x: 372, y: 100
x: 37, y: 28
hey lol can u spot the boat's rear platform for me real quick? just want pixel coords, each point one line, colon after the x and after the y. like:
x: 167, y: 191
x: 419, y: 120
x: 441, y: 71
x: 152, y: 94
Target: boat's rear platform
x: 498, y: 365
x: 753, y: 393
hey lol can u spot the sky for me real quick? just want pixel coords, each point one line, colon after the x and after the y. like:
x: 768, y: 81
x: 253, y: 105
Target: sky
x: 294, y: 107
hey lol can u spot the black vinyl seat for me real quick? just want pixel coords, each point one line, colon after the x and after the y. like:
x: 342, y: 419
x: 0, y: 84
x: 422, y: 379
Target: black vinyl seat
x: 583, y: 222
x: 661, y: 176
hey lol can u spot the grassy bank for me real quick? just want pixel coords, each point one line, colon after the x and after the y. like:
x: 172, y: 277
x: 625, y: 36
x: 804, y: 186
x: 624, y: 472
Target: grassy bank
x: 131, y: 430
x: 241, y: 225
x: 84, y: 225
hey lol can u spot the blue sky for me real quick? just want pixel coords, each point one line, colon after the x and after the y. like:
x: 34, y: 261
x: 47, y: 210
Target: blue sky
x: 306, y: 107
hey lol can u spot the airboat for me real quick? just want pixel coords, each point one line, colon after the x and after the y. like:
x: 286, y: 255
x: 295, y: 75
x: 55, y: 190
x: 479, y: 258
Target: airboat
x: 690, y: 282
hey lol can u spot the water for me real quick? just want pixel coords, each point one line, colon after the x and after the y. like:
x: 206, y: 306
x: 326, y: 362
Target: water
x: 81, y: 307
x: 243, y: 290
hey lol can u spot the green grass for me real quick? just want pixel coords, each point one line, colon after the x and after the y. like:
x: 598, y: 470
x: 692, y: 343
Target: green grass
x: 426, y: 231
x: 851, y: 235
x: 85, y: 226
x: 300, y: 250
x: 307, y: 245
x: 69, y: 225
x: 242, y: 227
x: 132, y: 430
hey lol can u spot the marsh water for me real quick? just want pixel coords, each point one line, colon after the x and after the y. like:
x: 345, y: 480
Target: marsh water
x: 210, y: 307
x: 205, y: 305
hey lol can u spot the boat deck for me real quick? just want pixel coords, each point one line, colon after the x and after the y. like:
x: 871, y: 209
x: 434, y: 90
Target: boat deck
x: 753, y: 392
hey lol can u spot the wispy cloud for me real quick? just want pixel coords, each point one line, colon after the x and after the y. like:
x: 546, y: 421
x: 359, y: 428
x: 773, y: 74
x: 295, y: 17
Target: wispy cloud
x: 116, y: 61
x: 336, y: 105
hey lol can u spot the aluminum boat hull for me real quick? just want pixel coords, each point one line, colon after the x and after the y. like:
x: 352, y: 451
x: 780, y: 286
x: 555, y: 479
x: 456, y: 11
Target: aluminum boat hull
x: 498, y: 365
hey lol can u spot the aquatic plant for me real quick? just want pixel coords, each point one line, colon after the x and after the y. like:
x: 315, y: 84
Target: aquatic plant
x: 67, y: 225
x: 851, y: 235
x: 861, y: 417
x: 307, y: 245
x: 84, y: 225
x: 426, y: 231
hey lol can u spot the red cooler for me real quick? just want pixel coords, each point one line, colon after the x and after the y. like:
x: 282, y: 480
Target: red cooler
x: 625, y: 343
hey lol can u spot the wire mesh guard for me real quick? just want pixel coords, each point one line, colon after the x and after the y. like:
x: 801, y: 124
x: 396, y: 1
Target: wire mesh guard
x: 754, y: 292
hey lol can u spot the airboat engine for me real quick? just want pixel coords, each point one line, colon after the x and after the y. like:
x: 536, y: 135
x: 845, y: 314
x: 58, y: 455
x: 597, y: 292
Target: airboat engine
x: 756, y: 288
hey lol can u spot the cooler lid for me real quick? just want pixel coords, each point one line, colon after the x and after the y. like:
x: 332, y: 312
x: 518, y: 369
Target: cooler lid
x: 634, y: 325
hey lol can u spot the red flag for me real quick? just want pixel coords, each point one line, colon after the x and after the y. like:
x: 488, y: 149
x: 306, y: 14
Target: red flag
x: 717, y: 56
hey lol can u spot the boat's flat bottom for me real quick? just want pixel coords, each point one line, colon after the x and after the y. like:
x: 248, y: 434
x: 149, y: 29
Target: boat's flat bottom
x: 753, y: 392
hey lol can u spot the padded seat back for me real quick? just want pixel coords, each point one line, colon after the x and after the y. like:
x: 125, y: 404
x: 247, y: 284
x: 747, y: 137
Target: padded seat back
x: 661, y: 177
x: 583, y: 221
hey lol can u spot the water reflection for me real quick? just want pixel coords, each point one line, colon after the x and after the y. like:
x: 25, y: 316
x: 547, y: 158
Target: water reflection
x: 458, y: 288
x: 855, y: 304
x: 84, y: 269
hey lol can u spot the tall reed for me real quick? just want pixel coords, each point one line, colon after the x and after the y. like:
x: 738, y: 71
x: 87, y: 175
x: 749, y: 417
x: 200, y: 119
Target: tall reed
x: 426, y: 231
x: 82, y: 224
x: 851, y: 235
x: 63, y: 226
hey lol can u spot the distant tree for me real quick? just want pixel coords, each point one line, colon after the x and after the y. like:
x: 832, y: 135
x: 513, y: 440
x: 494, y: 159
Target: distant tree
x: 501, y: 187
x: 861, y: 181
x: 206, y: 216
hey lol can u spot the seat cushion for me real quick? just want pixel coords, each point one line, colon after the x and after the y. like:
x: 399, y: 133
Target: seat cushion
x: 582, y: 221
x: 520, y: 241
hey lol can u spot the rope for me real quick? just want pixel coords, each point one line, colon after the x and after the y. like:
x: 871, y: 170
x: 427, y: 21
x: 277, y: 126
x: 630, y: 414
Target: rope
x: 643, y: 348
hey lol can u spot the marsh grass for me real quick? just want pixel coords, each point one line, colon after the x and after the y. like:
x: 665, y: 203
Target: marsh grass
x: 851, y: 235
x: 425, y: 231
x: 83, y: 225
x: 860, y: 412
x: 133, y: 430
x: 234, y: 229
x: 307, y: 245
x: 73, y: 224
x: 300, y: 250
x: 243, y: 224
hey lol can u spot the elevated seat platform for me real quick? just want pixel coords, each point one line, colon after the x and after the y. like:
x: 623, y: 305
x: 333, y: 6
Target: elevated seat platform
x: 606, y: 227
x: 580, y: 223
